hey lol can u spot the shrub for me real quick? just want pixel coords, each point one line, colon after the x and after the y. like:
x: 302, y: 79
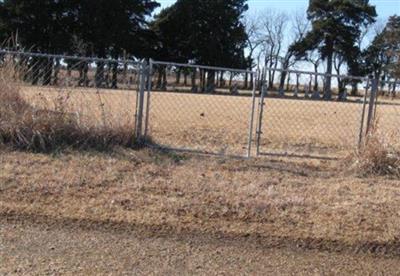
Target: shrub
x: 379, y: 155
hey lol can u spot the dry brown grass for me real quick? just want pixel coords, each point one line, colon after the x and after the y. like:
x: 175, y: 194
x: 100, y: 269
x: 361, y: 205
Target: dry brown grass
x: 304, y: 204
x: 54, y: 122
x: 379, y: 155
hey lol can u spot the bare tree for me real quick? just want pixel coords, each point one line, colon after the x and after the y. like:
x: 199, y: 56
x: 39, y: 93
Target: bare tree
x: 299, y: 25
x: 338, y: 62
x: 273, y: 28
x: 254, y: 41
x: 315, y: 59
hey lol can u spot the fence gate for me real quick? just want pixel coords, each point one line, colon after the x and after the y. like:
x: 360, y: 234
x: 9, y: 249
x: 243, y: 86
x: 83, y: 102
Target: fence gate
x: 200, y: 108
x: 386, y: 111
x: 297, y: 119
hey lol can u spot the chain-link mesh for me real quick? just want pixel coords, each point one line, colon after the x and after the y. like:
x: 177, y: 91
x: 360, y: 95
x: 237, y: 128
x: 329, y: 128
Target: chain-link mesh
x: 207, y: 109
x: 298, y: 118
x: 99, y: 93
x: 387, y: 111
x: 200, y: 108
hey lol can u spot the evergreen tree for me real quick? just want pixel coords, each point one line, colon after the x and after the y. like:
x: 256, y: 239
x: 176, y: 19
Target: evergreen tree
x: 336, y: 26
x: 209, y: 32
x: 382, y: 57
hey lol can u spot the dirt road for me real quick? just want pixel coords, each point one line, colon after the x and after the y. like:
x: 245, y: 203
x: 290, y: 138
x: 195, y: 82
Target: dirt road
x: 51, y: 249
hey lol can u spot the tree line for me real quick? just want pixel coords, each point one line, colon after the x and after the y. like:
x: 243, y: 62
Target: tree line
x: 208, y: 32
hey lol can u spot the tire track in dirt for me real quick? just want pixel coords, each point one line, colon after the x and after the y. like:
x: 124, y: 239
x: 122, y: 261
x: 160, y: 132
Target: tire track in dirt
x: 389, y: 249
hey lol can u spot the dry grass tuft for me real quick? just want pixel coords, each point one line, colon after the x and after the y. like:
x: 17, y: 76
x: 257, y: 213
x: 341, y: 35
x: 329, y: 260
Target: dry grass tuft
x: 53, y: 125
x: 378, y: 156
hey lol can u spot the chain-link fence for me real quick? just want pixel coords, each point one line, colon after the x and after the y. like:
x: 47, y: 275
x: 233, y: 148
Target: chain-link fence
x: 97, y: 93
x: 297, y: 116
x: 214, y: 110
x: 387, y: 111
x: 201, y: 108
x: 209, y: 109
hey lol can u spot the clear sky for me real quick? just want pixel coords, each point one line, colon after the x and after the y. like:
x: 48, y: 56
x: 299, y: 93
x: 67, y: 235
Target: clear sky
x: 385, y: 8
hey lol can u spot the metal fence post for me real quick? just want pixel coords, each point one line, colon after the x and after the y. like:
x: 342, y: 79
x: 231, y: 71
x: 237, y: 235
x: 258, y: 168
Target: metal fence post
x: 361, y: 134
x: 260, y: 118
x: 149, y: 87
x: 140, y: 102
x: 253, y: 100
x: 371, y: 107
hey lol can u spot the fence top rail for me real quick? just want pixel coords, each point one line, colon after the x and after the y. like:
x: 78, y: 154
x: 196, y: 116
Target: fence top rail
x: 253, y: 72
x: 156, y: 62
x: 396, y: 82
x: 317, y: 74
x: 43, y: 55
x: 139, y: 63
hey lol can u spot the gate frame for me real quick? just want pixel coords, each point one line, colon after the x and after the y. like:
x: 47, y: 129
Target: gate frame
x: 149, y: 72
x: 370, y: 115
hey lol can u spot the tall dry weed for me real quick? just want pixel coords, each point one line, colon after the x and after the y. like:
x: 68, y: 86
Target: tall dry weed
x: 51, y: 125
x: 379, y: 155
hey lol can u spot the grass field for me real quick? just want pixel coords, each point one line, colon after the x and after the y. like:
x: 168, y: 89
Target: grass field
x: 70, y: 206
x: 220, y: 124
x: 75, y: 212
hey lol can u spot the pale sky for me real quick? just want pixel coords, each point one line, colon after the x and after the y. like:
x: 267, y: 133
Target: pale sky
x: 385, y: 8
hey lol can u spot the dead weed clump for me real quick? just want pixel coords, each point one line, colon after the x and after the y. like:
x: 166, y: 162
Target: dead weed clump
x: 26, y: 126
x: 379, y: 155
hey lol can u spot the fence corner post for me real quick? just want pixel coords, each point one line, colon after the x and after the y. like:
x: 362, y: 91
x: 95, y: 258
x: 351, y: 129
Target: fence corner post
x: 371, y: 106
x: 140, y: 102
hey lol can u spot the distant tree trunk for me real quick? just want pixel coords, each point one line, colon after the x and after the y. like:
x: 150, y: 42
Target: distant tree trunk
x: 159, y: 77
x: 340, y: 85
x: 109, y: 75
x: 34, y: 70
x: 201, y: 80
x: 56, y: 71
x: 210, y: 81
x: 273, y: 75
x: 99, y: 75
x: 125, y: 72
x: 178, y: 76
x: 83, y: 74
x: 342, y: 90
x: 69, y: 73
x: 270, y: 80
x: 354, y: 88
x: 394, y: 88
x: 328, y: 80
x: 48, y: 71
x: 297, y: 89
x: 316, y: 92
x: 221, y: 80
x: 114, y: 81
x: 164, y: 78
x: 193, y: 78
x: 309, y: 90
x: 282, y: 83
x: 288, y: 83
x: 185, y: 74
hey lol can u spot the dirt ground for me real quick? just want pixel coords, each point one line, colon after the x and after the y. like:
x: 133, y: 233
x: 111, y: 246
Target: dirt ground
x: 53, y: 249
x: 171, y: 213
